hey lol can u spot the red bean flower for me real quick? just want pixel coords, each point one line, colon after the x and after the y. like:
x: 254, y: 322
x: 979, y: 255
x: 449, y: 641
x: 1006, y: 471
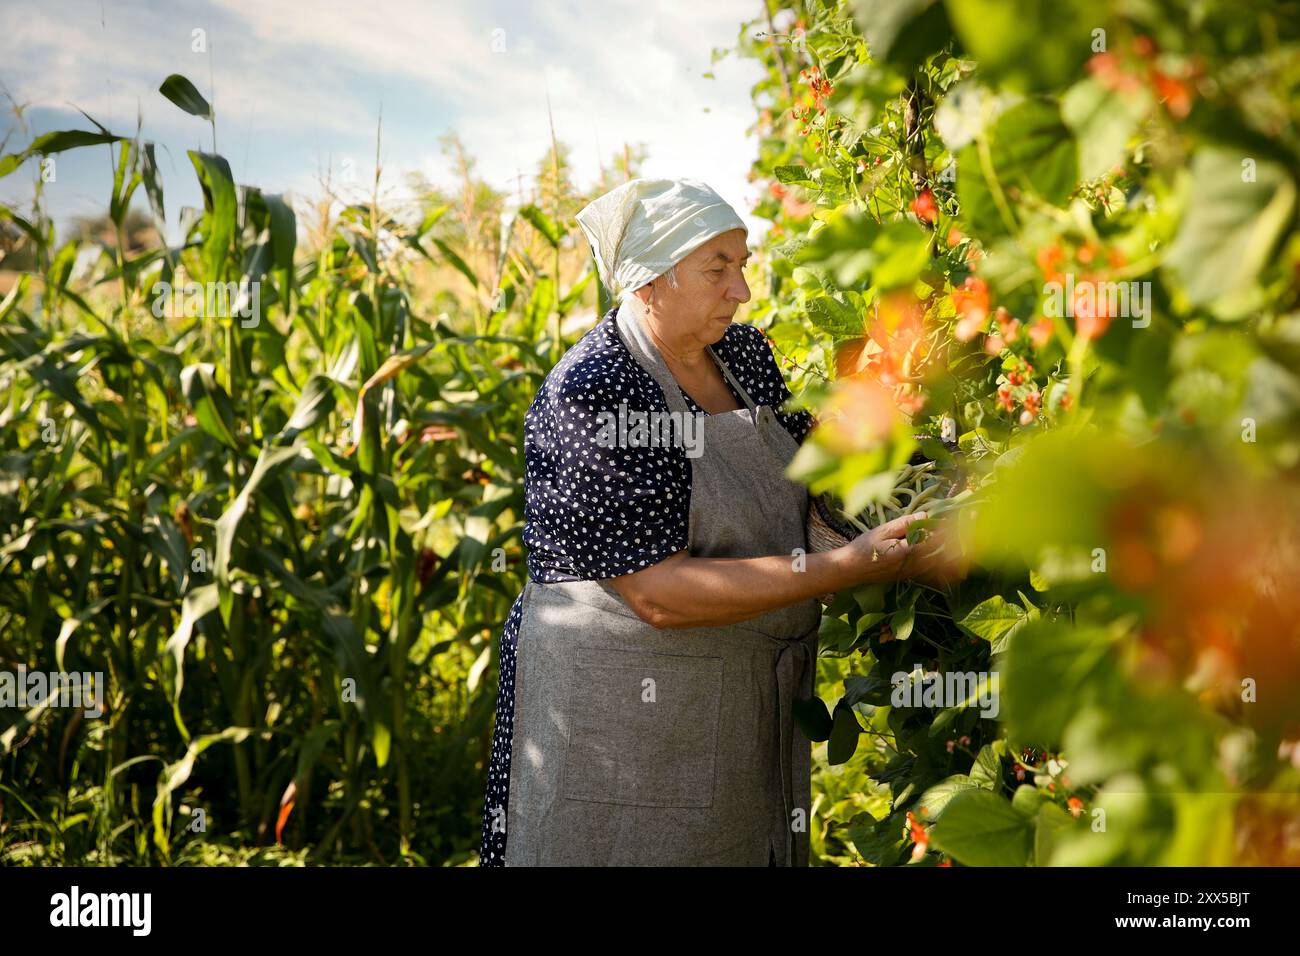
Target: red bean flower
x: 924, y: 206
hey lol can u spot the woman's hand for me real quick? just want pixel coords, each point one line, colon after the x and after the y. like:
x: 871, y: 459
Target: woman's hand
x: 885, y: 554
x: 879, y: 554
x: 937, y: 559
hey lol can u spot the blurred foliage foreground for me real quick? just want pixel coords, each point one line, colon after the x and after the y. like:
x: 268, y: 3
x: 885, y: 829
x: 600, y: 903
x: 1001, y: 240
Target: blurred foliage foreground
x: 1051, y: 248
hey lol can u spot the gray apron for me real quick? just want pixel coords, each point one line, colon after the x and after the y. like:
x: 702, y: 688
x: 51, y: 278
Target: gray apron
x: 677, y: 747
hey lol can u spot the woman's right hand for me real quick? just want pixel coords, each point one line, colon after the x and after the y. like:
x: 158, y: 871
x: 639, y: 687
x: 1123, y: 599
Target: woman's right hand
x: 885, y: 554
x: 882, y: 553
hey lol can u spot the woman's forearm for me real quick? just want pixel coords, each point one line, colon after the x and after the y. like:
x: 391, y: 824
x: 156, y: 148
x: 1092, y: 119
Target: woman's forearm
x: 700, y: 592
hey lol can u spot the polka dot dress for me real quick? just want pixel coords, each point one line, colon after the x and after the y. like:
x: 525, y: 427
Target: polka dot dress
x: 594, y: 512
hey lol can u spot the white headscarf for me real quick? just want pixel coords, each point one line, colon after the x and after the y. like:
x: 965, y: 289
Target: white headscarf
x: 641, y: 229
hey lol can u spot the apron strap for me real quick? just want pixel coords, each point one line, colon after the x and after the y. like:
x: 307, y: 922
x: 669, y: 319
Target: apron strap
x: 735, y: 382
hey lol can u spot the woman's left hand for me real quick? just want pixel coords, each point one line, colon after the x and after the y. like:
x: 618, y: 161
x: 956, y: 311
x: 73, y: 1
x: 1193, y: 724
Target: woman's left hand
x: 937, y: 559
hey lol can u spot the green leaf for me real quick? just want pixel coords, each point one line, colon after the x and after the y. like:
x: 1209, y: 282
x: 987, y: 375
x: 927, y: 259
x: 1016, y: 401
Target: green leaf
x: 984, y: 693
x: 71, y: 624
x: 845, y: 731
x: 44, y: 369
x: 994, y: 620
x: 1050, y: 825
x: 1034, y: 46
x: 284, y: 230
x: 979, y: 828
x: 152, y: 180
x: 868, y: 621
x: 904, y: 618
x: 183, y: 93
x: 834, y: 634
x: 210, y: 403
x: 330, y: 460
x: 456, y: 262
x: 185, y: 438
x: 880, y: 842
x: 1033, y: 149
x: 572, y: 296
x: 1230, y: 229
x: 1027, y: 799
x: 987, y: 769
x: 1102, y: 122
x: 175, y: 774
x: 1030, y: 150
x: 543, y: 224
x: 198, y: 603
x: 271, y: 460
x: 360, y: 245
x: 870, y: 690
x: 935, y: 800
x: 317, y: 401
x: 1052, y: 671
x: 857, y: 251
x: 541, y: 302
x: 62, y: 140
x: 313, y: 744
x: 903, y: 32
x: 813, y: 718
x: 836, y: 318
x: 870, y: 597
x: 353, y: 662
x: 1023, y: 514
x: 220, y: 205
x: 903, y: 248
x: 431, y: 218
x: 55, y: 142
x: 799, y: 175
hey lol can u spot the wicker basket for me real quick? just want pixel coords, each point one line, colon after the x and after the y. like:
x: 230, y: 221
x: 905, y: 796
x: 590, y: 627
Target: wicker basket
x: 826, y: 531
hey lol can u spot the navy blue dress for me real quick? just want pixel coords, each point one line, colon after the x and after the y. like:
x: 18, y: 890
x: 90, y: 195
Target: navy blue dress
x: 592, y: 512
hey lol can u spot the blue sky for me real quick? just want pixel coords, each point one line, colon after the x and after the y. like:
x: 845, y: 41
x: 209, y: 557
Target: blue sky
x: 299, y: 87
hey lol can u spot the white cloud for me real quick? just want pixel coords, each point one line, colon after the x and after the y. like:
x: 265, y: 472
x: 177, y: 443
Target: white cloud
x: 298, y: 82
x: 56, y: 56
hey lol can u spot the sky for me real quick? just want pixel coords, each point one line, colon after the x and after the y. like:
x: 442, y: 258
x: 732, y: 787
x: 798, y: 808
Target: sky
x: 298, y: 89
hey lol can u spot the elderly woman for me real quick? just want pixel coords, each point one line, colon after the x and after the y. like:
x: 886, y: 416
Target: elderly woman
x: 670, y: 621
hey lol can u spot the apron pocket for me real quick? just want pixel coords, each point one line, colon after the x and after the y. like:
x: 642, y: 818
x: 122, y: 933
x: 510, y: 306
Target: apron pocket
x: 644, y: 728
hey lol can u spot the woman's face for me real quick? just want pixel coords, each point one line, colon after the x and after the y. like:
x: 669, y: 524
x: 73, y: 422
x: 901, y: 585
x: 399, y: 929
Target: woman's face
x: 710, y: 288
